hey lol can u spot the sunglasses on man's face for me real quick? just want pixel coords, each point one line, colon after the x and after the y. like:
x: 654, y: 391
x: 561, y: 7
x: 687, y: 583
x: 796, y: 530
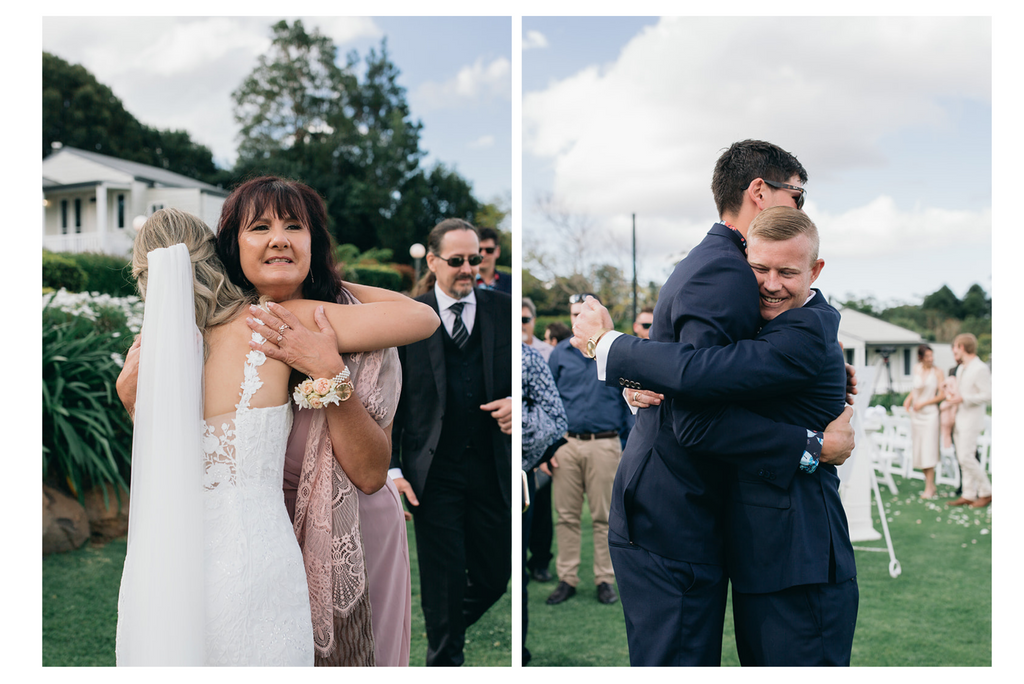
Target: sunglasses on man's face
x: 646, y: 326
x: 457, y: 261
x: 787, y: 186
x: 489, y: 250
x: 526, y: 319
x: 580, y: 298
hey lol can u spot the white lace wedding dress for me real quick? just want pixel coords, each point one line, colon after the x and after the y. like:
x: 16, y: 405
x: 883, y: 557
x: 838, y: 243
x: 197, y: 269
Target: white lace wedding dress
x: 213, y: 573
x: 257, y: 601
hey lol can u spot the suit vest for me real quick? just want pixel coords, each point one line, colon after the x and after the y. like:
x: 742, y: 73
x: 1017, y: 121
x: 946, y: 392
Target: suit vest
x: 464, y: 423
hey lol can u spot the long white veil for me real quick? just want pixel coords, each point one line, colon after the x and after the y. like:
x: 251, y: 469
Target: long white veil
x: 161, y: 606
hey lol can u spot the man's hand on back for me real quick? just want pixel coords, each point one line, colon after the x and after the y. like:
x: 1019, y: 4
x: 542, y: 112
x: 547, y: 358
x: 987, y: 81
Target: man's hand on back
x: 839, y: 439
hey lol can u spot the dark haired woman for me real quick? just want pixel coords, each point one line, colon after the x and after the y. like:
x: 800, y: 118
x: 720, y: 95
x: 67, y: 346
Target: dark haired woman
x: 347, y: 511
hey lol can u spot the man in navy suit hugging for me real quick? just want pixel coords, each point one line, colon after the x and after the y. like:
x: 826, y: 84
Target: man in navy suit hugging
x: 736, y: 470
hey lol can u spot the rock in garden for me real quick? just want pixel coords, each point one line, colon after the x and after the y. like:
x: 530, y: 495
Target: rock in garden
x: 107, y: 520
x: 65, y: 523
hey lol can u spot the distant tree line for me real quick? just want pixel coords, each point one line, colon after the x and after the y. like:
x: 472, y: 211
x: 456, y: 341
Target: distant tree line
x: 940, y: 317
x: 345, y: 131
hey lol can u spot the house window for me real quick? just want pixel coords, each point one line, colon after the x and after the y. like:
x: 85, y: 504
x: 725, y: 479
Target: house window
x: 78, y: 215
x: 849, y: 356
x: 120, y: 211
x: 906, y: 362
x: 64, y: 217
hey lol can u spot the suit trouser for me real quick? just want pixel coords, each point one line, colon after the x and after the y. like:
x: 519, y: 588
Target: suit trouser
x: 464, y: 547
x: 584, y: 467
x: 674, y: 610
x: 805, y: 625
x: 974, y: 483
x: 542, y: 529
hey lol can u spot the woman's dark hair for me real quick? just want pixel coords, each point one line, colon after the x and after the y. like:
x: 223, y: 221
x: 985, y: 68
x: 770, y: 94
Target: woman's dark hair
x: 921, y: 349
x: 281, y: 198
x: 559, y: 331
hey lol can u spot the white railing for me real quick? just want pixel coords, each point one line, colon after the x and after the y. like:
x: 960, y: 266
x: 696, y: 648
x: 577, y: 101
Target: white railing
x: 117, y: 243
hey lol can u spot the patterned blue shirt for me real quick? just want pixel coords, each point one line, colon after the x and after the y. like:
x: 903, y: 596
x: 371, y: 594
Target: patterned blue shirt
x: 543, y: 414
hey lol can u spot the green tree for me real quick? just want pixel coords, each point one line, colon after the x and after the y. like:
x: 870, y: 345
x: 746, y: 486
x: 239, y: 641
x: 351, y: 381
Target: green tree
x: 81, y: 112
x: 944, y: 301
x: 976, y: 303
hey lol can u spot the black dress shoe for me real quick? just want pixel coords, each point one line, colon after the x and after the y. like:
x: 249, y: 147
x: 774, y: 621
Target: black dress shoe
x: 562, y: 592
x: 606, y: 593
x: 541, y: 575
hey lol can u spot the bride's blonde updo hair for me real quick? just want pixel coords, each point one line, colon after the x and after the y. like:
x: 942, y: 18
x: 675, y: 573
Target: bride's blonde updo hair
x: 217, y: 299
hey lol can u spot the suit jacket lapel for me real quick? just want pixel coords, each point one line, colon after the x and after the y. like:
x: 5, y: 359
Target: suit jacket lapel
x: 435, y: 347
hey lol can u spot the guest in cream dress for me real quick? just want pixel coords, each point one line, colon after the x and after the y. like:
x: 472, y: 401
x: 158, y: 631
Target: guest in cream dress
x: 923, y: 405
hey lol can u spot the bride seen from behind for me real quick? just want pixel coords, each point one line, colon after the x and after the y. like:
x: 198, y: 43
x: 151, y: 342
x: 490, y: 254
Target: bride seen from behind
x: 256, y: 609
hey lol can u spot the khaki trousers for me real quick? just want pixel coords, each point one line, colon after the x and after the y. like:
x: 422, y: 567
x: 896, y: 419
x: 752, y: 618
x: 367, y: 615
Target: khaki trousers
x: 584, y: 467
x: 974, y: 482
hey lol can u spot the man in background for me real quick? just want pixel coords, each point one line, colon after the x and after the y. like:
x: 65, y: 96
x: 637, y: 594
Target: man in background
x: 529, y: 321
x: 585, y: 465
x: 642, y: 324
x: 974, y: 383
x: 488, y: 277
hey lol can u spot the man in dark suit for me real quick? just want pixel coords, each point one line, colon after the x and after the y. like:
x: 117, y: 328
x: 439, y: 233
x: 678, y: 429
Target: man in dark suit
x: 452, y: 444
x: 667, y: 521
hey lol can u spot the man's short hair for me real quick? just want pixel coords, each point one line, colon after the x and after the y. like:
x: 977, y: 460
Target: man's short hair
x: 559, y: 331
x: 779, y: 224
x: 488, y: 234
x: 743, y: 162
x: 647, y: 309
x: 443, y: 228
x: 968, y: 341
x: 528, y: 303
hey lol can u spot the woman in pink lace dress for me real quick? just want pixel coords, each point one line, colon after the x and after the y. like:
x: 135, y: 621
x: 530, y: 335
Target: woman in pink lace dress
x: 346, y: 511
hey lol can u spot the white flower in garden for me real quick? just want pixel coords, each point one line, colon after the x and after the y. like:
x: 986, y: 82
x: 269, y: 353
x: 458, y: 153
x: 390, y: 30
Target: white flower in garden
x: 118, y: 359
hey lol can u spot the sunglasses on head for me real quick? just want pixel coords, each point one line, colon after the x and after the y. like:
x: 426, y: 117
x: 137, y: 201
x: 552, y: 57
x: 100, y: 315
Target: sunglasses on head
x: 580, y: 298
x: 787, y: 186
x: 489, y: 250
x: 457, y: 261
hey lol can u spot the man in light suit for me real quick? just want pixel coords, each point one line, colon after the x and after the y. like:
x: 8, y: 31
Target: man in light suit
x: 974, y: 383
x: 667, y: 522
x: 451, y: 450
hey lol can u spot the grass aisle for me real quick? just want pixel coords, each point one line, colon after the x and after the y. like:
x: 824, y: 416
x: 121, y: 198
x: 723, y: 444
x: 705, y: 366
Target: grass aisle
x: 80, y: 611
x: 938, y: 612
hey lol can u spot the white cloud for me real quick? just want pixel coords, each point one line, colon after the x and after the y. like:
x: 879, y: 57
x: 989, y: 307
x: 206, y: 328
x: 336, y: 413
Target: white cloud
x: 642, y: 133
x: 477, y: 82
x: 534, y: 40
x: 483, y: 142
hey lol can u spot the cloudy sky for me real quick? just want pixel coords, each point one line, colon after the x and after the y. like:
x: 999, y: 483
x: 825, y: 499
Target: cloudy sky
x: 179, y: 73
x: 891, y: 117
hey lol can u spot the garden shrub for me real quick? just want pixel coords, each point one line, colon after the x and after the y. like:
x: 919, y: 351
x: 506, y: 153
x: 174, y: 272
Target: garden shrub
x: 61, y: 272
x: 105, y: 273
x: 375, y: 276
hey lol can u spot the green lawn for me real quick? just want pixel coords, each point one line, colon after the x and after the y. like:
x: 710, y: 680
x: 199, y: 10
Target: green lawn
x: 938, y: 612
x: 80, y: 612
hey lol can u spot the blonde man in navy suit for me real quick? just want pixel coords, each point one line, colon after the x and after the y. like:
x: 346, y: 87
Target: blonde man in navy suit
x: 669, y: 518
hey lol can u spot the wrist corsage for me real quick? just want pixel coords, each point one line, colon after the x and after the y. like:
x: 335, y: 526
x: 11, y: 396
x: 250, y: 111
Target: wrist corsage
x: 315, y: 394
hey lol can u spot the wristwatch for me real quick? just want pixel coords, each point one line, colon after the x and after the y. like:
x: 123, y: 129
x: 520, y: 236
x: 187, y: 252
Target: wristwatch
x: 343, y: 385
x: 591, y: 350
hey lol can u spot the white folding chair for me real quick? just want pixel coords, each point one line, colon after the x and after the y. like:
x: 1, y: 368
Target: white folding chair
x: 985, y: 445
x: 882, y: 453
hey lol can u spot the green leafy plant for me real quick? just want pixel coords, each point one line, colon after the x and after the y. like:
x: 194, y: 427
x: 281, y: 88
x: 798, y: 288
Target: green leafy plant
x: 86, y: 431
x: 105, y: 273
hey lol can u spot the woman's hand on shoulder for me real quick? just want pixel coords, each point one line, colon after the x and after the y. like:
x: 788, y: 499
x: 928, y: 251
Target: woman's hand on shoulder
x: 288, y: 340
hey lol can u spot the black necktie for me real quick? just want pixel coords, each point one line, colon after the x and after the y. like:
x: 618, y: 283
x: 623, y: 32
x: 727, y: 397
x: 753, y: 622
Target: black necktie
x: 459, y: 333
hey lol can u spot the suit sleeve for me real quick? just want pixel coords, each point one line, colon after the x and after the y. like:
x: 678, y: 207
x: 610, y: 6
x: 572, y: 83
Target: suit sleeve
x: 718, y: 307
x: 788, y: 354
x: 399, y: 422
x: 979, y: 392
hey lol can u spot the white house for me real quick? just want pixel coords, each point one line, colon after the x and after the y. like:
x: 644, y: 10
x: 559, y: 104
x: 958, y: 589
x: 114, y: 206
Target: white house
x: 90, y: 200
x: 868, y: 341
